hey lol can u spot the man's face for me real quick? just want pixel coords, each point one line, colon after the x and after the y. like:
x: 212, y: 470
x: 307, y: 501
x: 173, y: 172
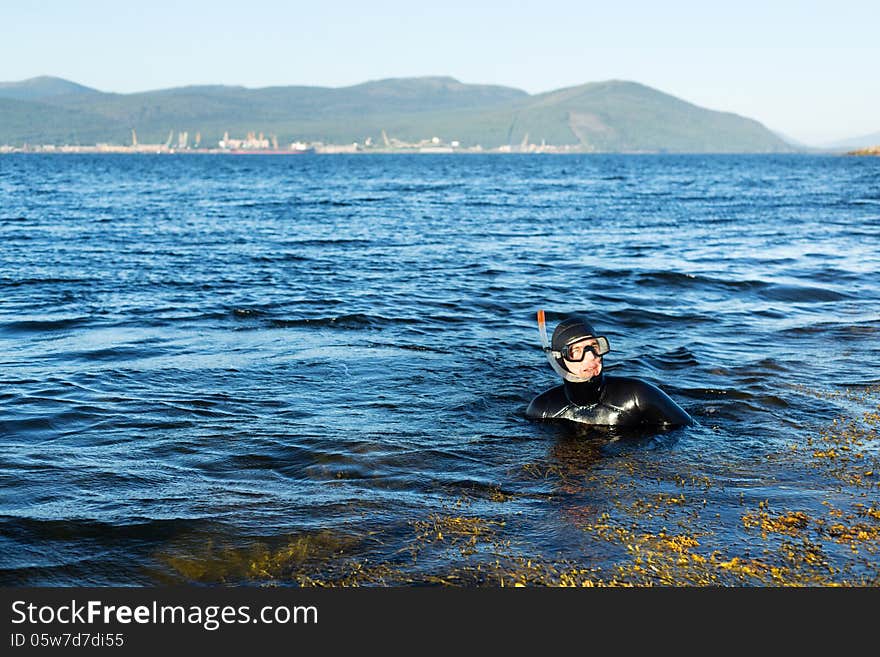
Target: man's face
x: 591, y: 365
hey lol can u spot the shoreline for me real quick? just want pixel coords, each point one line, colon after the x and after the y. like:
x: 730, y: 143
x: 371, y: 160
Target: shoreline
x: 871, y: 150
x: 87, y: 150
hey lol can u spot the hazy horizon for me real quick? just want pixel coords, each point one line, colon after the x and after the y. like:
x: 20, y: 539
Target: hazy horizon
x: 806, y: 73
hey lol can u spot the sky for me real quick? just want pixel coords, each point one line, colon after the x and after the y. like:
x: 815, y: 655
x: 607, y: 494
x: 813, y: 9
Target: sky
x: 806, y: 69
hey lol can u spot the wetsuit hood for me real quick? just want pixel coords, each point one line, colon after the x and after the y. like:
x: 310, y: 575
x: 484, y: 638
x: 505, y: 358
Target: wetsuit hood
x: 569, y: 330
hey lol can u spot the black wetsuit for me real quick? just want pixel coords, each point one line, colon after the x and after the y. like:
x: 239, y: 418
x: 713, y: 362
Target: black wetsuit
x: 619, y: 401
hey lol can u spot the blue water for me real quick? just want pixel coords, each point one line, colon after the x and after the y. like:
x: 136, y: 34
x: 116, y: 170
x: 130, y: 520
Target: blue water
x: 319, y: 363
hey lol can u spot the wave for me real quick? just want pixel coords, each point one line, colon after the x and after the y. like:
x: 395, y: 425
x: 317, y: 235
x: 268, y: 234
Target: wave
x: 324, y: 241
x: 39, y: 529
x: 687, y: 281
x: 20, y: 282
x: 801, y: 294
x: 866, y: 329
x: 45, y: 325
x: 281, y: 257
x: 769, y: 291
x: 669, y: 360
x: 350, y: 321
x: 125, y: 352
x: 640, y: 318
x: 400, y: 187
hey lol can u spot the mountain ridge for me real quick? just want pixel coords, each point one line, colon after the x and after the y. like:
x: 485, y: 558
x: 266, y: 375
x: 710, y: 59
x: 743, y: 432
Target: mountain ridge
x: 601, y: 116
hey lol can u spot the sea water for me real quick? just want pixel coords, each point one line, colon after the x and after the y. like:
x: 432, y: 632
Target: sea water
x: 314, y: 369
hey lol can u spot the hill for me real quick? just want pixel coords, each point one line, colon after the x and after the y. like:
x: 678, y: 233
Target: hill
x: 611, y: 116
x: 42, y: 88
x: 627, y: 116
x: 855, y: 143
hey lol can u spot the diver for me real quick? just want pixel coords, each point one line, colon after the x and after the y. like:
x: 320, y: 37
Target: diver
x: 589, y: 396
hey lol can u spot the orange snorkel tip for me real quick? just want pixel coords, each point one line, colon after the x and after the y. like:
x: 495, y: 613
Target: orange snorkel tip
x: 542, y: 331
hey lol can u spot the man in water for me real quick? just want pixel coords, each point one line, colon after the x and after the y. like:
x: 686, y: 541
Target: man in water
x: 587, y: 394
